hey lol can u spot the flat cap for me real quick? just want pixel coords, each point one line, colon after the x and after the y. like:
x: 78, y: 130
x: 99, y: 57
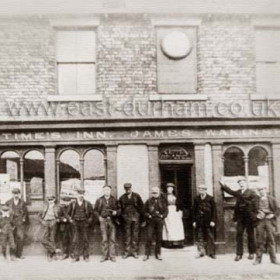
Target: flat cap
x: 5, y: 208
x: 81, y: 191
x: 170, y: 185
x: 15, y: 190
x: 127, y: 185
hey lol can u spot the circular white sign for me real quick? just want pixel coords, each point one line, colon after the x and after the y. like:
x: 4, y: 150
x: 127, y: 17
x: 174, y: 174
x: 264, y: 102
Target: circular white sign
x: 176, y: 45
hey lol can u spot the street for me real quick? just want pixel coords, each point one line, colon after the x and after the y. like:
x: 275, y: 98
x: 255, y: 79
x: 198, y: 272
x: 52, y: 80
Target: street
x: 176, y: 264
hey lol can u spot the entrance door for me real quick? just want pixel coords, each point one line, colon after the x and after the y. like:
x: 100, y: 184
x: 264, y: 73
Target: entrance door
x: 180, y: 175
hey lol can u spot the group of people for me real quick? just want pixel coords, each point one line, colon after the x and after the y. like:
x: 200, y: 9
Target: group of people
x: 65, y: 226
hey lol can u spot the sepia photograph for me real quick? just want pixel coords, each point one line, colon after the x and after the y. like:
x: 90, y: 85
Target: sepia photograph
x: 139, y: 139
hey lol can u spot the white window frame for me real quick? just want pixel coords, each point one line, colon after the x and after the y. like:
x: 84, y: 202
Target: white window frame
x: 86, y: 23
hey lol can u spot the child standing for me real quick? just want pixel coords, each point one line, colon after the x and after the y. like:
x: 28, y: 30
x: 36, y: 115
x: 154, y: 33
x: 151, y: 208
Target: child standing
x: 6, y: 232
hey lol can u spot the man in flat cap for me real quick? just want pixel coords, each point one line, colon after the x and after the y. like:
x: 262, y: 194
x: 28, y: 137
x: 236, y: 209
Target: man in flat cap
x: 244, y: 217
x: 6, y: 232
x: 80, y: 216
x: 108, y: 210
x: 266, y: 211
x: 132, y: 212
x: 20, y: 220
x: 204, y: 219
x: 156, y: 211
x: 49, y: 218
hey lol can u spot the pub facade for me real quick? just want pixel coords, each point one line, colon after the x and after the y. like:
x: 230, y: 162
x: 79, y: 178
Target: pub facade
x: 126, y: 93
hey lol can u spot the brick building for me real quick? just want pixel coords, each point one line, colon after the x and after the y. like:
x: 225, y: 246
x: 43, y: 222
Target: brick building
x: 148, y: 93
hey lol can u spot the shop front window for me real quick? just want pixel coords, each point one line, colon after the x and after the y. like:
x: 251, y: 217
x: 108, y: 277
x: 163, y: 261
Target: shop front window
x: 10, y: 174
x: 234, y: 162
x: 94, y: 174
x: 34, y: 177
x: 258, y: 166
x: 69, y: 173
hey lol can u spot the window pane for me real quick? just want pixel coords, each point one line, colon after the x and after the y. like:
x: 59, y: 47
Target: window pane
x: 268, y: 79
x: 76, y: 78
x: 34, y: 174
x: 86, y: 78
x: 76, y: 46
x: 94, y: 171
x: 234, y: 162
x: 10, y: 164
x: 257, y: 159
x: 67, y: 79
x: 268, y: 45
x: 69, y: 173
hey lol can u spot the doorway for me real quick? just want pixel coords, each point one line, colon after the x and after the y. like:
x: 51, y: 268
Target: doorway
x: 181, y: 176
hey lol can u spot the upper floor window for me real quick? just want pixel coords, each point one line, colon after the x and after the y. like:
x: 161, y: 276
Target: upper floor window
x: 76, y: 61
x: 268, y: 61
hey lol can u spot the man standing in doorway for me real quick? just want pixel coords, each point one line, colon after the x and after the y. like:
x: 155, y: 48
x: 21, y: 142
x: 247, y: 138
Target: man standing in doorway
x: 80, y: 216
x: 156, y: 211
x: 108, y: 210
x: 204, y: 213
x: 266, y: 212
x: 20, y: 219
x: 244, y: 217
x: 132, y: 210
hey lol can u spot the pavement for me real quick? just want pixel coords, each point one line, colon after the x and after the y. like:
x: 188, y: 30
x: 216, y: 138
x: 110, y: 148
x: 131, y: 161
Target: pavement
x: 176, y: 265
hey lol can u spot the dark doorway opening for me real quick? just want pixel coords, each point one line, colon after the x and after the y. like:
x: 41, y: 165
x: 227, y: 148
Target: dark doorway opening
x: 181, y: 176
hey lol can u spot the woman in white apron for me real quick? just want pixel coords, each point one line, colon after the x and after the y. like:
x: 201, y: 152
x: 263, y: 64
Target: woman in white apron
x: 173, y: 230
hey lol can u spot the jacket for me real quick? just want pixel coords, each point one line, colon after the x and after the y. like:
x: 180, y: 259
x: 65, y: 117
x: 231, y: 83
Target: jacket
x: 57, y: 211
x: 243, y: 203
x: 136, y: 202
x: 150, y: 208
x: 23, y: 218
x: 105, y: 210
x: 273, y: 206
x: 204, y: 210
x: 88, y: 210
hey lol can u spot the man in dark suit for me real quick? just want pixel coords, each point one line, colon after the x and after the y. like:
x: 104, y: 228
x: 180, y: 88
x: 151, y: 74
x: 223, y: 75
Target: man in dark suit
x: 266, y: 210
x: 20, y: 219
x: 108, y: 210
x: 65, y: 230
x: 49, y: 218
x: 156, y: 210
x: 80, y: 216
x: 132, y: 211
x: 204, y: 213
x: 244, y: 217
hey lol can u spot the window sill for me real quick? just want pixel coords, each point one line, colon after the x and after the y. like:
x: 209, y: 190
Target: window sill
x: 263, y: 97
x: 177, y: 97
x: 77, y: 98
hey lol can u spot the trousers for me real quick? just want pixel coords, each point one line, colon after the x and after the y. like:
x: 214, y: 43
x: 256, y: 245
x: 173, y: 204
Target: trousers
x: 241, y: 226
x: 154, y: 228
x: 80, y: 239
x: 108, y: 232
x: 205, y: 240
x: 49, y: 235
x: 131, y: 237
x: 265, y: 236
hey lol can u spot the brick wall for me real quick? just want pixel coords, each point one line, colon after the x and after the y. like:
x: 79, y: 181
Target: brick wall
x: 27, y: 59
x: 126, y: 60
